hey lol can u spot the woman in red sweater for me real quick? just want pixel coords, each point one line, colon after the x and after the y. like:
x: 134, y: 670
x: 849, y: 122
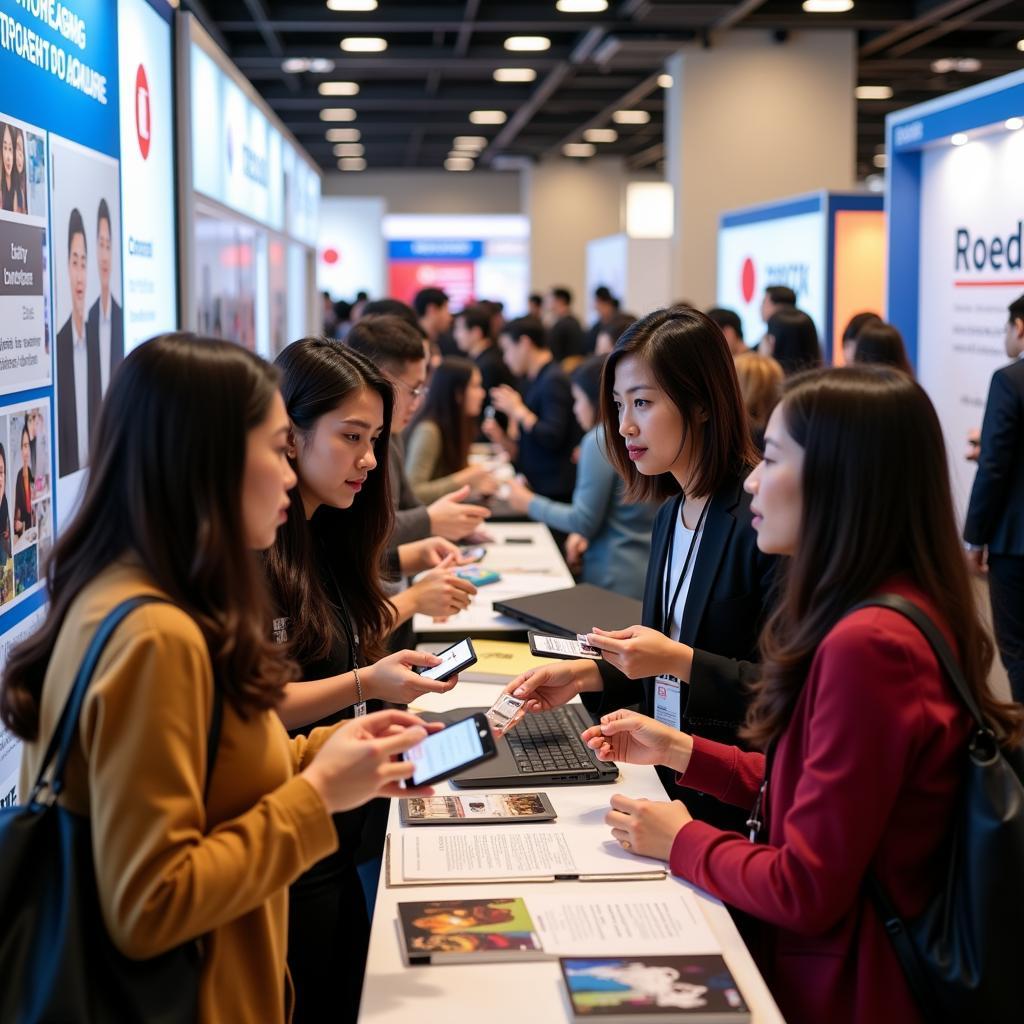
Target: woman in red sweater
x: 866, y: 738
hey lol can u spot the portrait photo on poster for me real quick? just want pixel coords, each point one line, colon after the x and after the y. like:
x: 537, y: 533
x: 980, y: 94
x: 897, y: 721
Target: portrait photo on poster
x: 88, y: 321
x: 24, y: 283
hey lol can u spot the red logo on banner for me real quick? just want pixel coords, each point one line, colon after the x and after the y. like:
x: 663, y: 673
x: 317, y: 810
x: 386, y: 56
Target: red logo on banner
x: 330, y: 256
x: 142, y: 121
x: 747, y: 279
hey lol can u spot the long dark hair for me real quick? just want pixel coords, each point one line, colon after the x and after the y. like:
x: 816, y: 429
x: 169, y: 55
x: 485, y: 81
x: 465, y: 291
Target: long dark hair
x: 445, y: 405
x: 876, y: 504
x: 880, y: 342
x: 690, y: 359
x: 164, y: 485
x: 5, y: 516
x: 796, y: 340
x: 317, y: 375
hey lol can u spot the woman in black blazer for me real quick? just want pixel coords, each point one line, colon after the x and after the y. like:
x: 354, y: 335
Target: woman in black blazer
x: 670, y: 392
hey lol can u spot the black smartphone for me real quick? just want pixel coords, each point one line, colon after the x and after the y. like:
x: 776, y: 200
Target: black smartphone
x: 453, y: 660
x: 474, y: 553
x: 544, y: 646
x: 450, y: 751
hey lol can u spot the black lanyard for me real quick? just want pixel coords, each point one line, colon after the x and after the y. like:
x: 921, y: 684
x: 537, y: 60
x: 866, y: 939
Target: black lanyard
x: 342, y: 609
x: 677, y: 517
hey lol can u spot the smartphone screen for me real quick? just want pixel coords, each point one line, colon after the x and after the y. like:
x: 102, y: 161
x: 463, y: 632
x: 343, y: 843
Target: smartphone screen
x: 561, y: 647
x: 445, y: 752
x: 453, y: 659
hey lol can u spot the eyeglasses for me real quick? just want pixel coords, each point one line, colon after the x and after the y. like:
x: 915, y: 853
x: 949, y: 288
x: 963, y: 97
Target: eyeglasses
x: 417, y: 392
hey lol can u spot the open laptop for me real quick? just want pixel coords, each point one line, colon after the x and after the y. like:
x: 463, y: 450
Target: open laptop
x: 573, y: 610
x: 544, y: 749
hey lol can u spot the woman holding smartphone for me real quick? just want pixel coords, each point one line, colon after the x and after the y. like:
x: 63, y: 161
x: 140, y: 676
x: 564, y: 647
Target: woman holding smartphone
x: 861, y: 738
x: 333, y: 619
x: 670, y: 396
x: 172, y: 865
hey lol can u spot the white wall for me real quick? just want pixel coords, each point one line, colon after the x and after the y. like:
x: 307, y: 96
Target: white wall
x: 354, y: 228
x: 419, y: 190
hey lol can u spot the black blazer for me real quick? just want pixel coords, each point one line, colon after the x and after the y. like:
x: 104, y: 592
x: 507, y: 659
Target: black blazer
x: 67, y: 417
x: 995, y: 515
x: 92, y: 327
x: 730, y: 593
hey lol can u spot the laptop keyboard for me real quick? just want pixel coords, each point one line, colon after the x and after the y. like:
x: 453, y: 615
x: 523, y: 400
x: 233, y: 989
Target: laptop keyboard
x: 549, y: 742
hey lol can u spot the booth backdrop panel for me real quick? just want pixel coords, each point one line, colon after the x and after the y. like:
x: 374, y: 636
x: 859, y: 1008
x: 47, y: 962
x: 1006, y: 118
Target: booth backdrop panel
x: 858, y: 283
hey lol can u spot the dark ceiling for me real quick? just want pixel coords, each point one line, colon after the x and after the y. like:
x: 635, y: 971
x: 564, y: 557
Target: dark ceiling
x: 415, y: 97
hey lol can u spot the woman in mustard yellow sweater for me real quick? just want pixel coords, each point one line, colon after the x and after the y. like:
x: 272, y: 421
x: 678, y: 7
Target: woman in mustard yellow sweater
x: 190, y: 478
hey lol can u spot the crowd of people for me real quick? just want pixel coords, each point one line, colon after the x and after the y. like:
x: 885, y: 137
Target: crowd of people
x: 750, y: 497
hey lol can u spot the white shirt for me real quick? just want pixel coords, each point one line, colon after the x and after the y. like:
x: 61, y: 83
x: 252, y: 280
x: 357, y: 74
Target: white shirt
x: 81, y: 367
x: 105, y: 343
x: 680, y: 546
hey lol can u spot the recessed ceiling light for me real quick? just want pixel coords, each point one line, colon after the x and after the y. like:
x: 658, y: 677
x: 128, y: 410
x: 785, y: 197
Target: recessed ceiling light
x: 458, y: 163
x: 337, y: 114
x: 578, y: 149
x: 1014, y: 124
x: 827, y: 6
x: 321, y: 66
x: 363, y: 44
x: 600, y: 135
x: 352, y: 163
x: 664, y: 81
x: 338, y: 89
x: 959, y: 139
x: 880, y: 159
x: 514, y: 74
x: 965, y: 65
x: 631, y: 117
x: 873, y: 92
x: 968, y: 65
x: 581, y: 6
x: 352, y: 5
x: 470, y: 141
x: 295, y: 65
x: 488, y: 116
x: 1020, y: 44
x: 343, y: 135
x: 525, y: 44
x: 349, y: 149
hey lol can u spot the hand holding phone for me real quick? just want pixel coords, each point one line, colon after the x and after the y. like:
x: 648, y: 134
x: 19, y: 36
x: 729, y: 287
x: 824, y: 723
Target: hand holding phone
x: 545, y: 646
x: 450, y: 751
x: 453, y: 660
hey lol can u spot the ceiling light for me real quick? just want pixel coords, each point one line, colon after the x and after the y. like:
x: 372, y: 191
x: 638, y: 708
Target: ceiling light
x: 880, y: 160
x: 875, y: 183
x: 1014, y: 124
x: 600, y: 135
x: 631, y: 117
x: 463, y: 154
x: 295, y: 65
x: 470, y: 142
x: 349, y: 149
x: 352, y: 5
x: 873, y: 92
x: 525, y: 44
x: 968, y: 65
x: 965, y: 65
x: 321, y: 66
x: 581, y: 6
x: 488, y: 116
x: 352, y: 163
x: 343, y: 135
x: 514, y: 75
x: 1020, y: 44
x: 827, y: 6
x: 363, y: 44
x: 458, y: 163
x: 959, y: 139
x: 578, y: 149
x: 337, y: 114
x: 338, y: 89
x: 664, y: 81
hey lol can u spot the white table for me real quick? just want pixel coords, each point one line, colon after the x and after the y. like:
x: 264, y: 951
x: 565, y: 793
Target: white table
x: 519, y: 993
x: 534, y: 567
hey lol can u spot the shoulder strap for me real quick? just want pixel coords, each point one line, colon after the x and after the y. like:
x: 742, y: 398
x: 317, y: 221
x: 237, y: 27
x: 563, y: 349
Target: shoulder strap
x: 947, y: 660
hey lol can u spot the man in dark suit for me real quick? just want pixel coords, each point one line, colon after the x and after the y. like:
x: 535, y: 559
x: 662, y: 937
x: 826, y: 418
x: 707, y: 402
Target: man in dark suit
x: 78, y: 371
x: 565, y: 336
x: 995, y: 515
x: 105, y: 328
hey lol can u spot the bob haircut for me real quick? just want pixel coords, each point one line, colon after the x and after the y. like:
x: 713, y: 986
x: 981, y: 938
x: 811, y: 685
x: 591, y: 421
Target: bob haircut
x: 165, y: 486
x: 880, y: 342
x: 875, y: 480
x: 690, y: 359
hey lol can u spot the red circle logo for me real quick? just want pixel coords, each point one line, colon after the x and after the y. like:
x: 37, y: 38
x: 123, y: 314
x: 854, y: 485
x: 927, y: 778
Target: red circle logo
x: 747, y: 281
x: 142, y: 119
x: 330, y: 255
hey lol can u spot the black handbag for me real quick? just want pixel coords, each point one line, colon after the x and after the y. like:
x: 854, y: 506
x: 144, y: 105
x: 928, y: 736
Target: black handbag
x: 57, y: 960
x: 961, y: 957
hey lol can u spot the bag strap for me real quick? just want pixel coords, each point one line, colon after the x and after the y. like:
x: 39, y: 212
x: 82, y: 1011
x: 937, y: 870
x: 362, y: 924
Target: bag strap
x: 62, y: 740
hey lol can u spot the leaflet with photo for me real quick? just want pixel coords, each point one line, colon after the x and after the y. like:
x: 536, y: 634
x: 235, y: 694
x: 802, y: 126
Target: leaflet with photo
x: 476, y: 809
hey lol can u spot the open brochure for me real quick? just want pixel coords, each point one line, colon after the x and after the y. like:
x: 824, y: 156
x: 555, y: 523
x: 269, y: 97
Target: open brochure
x: 545, y: 854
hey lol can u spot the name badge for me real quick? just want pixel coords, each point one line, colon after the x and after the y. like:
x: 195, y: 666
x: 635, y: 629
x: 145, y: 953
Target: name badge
x: 666, y: 701
x: 360, y: 709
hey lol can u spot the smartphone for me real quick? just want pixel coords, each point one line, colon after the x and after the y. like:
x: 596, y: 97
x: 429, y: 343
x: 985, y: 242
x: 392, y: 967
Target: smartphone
x: 544, y: 646
x: 450, y: 751
x: 473, y: 554
x: 453, y: 660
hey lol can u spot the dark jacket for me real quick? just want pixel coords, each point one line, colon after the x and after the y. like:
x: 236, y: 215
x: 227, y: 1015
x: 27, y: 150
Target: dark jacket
x: 995, y: 515
x: 730, y: 593
x: 545, y: 452
x: 92, y: 327
x: 67, y: 416
x: 565, y: 338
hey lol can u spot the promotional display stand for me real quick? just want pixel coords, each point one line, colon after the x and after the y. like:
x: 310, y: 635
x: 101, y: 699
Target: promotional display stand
x: 829, y: 247
x: 638, y: 271
x: 955, y: 205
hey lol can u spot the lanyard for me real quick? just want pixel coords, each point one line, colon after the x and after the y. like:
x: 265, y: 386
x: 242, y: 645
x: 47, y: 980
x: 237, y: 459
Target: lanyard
x: 667, y: 630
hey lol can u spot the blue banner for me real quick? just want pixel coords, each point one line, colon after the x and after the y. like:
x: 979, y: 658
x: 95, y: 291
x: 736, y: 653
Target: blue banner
x: 435, y: 249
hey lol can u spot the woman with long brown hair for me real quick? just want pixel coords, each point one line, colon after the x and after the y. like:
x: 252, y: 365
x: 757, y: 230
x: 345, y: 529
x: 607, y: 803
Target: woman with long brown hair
x: 188, y: 478
x: 862, y: 739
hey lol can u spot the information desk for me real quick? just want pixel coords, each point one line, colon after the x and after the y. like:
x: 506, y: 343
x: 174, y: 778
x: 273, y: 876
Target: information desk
x: 520, y: 993
x: 529, y: 562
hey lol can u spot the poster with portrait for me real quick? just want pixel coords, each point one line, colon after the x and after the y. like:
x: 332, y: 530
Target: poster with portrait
x: 24, y: 286
x: 88, y: 323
